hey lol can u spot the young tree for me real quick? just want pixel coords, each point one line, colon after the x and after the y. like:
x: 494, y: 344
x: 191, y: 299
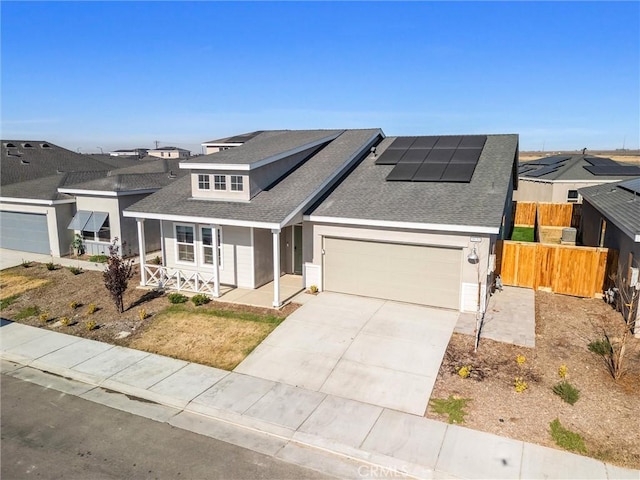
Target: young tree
x: 117, y: 274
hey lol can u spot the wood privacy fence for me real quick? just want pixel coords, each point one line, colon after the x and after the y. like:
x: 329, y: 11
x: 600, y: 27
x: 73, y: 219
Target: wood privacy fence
x: 548, y: 214
x: 525, y: 214
x: 570, y: 270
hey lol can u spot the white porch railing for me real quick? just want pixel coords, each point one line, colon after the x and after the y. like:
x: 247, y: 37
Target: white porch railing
x: 180, y: 280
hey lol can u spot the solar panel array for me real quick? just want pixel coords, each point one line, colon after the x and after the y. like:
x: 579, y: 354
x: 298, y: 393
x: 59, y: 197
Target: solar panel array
x: 433, y: 159
x: 615, y: 170
x: 600, y: 161
x: 632, y: 185
x: 548, y: 161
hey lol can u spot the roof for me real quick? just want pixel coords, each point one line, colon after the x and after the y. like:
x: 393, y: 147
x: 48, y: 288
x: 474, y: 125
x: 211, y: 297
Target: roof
x: 365, y: 196
x: 46, y: 188
x: 272, y: 207
x: 21, y: 163
x: 570, y: 167
x: 167, y: 148
x: 243, y: 138
x: 619, y: 202
x: 265, y: 146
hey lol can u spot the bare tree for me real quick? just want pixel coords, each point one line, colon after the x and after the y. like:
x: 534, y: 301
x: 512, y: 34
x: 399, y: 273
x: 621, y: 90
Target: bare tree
x: 117, y: 274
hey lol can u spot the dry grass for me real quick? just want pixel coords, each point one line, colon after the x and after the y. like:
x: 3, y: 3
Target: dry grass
x: 202, y: 337
x: 13, y: 284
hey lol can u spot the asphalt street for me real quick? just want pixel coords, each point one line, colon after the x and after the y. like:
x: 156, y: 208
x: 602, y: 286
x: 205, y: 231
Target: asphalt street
x: 48, y: 434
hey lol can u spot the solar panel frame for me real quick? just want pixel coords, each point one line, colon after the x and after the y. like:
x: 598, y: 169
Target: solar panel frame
x: 390, y: 157
x: 632, y: 185
x: 429, y: 172
x: 613, y: 170
x: 600, y: 161
x: 402, y: 143
x: 543, y: 171
x: 549, y: 161
x: 458, y: 172
x: 448, y: 142
x: 403, y: 172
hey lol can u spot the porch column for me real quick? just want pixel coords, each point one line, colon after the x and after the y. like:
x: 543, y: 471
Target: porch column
x: 141, y: 251
x: 163, y: 255
x: 276, y: 267
x: 216, y: 268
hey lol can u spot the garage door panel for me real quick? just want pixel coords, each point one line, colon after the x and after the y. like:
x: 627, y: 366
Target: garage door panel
x: 408, y: 273
x: 27, y: 232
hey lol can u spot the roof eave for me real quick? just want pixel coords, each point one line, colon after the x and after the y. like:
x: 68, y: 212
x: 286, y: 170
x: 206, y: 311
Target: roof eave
x: 35, y: 201
x: 197, y: 219
x: 107, y: 193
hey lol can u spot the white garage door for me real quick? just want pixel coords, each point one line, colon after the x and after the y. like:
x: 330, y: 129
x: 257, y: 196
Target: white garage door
x: 405, y: 273
x: 27, y: 232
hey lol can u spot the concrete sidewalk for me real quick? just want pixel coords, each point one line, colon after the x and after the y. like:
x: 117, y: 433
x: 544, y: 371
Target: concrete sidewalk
x: 341, y: 437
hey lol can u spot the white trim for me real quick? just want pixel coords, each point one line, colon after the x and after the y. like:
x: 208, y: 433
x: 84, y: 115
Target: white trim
x: 220, y: 250
x: 189, y: 219
x: 596, y: 181
x: 259, y: 163
x: 336, y: 172
x: 253, y: 258
x: 32, y: 201
x: 637, y: 238
x: 412, y: 226
x: 218, y: 144
x: 206, y: 180
x: 194, y: 244
x: 104, y: 193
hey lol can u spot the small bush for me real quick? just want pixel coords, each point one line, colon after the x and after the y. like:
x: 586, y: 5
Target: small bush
x: 562, y: 371
x: 176, y: 298
x: 98, y: 258
x: 520, y: 359
x: 27, y: 312
x: 156, y: 261
x: 50, y: 266
x: 92, y: 309
x: 200, y: 299
x: 313, y: 289
x: 602, y: 347
x: 25, y: 263
x: 520, y: 385
x: 567, y: 392
x: 44, y: 317
x: 566, y: 438
x: 142, y: 314
x: 65, y: 321
x: 452, y: 407
x: 5, y: 302
x: 75, y: 270
x: 91, y: 325
x: 73, y: 305
x: 465, y: 371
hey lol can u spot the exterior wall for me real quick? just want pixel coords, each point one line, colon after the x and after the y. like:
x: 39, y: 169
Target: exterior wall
x: 471, y: 275
x: 227, y: 194
x: 109, y: 205
x: 169, y: 153
x: 58, y: 218
x: 286, y: 250
x: 129, y: 228
x: 263, y: 256
x: 530, y: 191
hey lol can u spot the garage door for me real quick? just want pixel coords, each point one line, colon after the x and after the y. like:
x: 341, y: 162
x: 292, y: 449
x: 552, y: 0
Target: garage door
x: 406, y: 273
x: 27, y: 232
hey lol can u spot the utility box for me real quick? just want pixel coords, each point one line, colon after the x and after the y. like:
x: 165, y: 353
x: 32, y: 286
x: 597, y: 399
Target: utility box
x: 569, y: 235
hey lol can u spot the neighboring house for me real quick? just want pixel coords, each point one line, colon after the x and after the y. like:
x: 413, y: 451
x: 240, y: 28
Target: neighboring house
x: 214, y: 146
x: 558, y: 178
x: 131, y: 152
x: 169, y: 152
x: 334, y: 206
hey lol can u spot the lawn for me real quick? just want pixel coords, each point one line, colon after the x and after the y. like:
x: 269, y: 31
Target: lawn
x: 217, y: 334
x: 522, y: 234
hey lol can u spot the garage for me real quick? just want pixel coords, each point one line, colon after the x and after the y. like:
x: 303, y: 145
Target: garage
x: 419, y: 274
x: 27, y: 232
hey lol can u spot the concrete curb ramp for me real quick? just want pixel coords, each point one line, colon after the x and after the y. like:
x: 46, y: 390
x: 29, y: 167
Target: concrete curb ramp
x: 338, y: 436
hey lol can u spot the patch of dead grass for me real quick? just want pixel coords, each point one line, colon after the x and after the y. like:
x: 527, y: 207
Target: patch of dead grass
x: 202, y: 338
x: 13, y: 284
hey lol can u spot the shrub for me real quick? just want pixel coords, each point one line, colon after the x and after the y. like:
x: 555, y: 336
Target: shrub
x: 567, y: 392
x: 142, y: 314
x: 92, y: 309
x: 25, y: 263
x: 200, y: 299
x: 313, y: 289
x: 520, y: 359
x: 27, y: 312
x: 566, y: 438
x: 156, y: 261
x: 562, y: 371
x: 520, y: 385
x: 73, y: 305
x: 176, y: 298
x: 98, y: 258
x: 50, y: 266
x: 75, y: 270
x: 452, y: 407
x: 65, y: 321
x: 91, y: 325
x: 117, y: 274
x: 465, y: 371
x: 44, y: 317
x: 601, y: 347
x: 5, y: 302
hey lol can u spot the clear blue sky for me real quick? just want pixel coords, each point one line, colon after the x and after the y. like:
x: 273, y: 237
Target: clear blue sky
x: 123, y: 74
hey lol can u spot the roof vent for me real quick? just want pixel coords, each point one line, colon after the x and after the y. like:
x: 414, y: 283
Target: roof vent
x: 171, y: 174
x: 45, y: 145
x: 373, y: 151
x: 24, y: 162
x: 11, y: 145
x: 58, y: 171
x: 27, y: 145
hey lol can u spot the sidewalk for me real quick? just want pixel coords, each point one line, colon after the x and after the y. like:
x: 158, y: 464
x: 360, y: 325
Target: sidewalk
x: 340, y: 437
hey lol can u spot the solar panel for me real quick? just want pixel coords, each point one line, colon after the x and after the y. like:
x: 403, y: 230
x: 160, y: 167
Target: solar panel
x: 525, y: 169
x: 425, y: 142
x: 415, y: 155
x: 549, y: 160
x: 613, y: 170
x: 543, y: 171
x: 448, y: 142
x: 402, y: 143
x: 466, y: 155
x: 600, y: 162
x: 632, y: 185
x: 429, y: 172
x: 473, y: 141
x: 390, y: 157
x: 440, y: 155
x: 458, y: 172
x: 403, y: 172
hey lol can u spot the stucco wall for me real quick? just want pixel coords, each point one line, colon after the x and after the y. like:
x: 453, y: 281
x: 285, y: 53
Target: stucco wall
x: 263, y: 256
x: 530, y: 191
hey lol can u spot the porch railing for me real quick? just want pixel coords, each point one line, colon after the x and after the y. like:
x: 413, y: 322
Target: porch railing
x: 180, y: 280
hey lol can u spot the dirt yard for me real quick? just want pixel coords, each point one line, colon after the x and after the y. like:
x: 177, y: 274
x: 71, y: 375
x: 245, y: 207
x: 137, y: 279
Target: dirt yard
x: 218, y: 334
x: 607, y: 413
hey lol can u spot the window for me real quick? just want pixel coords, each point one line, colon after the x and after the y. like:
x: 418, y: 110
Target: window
x: 237, y: 183
x: 572, y: 196
x: 96, y: 231
x: 219, y: 182
x: 162, y: 154
x: 203, y: 182
x: 185, y: 243
x: 207, y: 246
x: 104, y: 234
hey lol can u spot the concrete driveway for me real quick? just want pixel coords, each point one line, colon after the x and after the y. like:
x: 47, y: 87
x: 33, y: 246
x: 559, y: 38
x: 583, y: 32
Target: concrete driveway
x: 375, y: 351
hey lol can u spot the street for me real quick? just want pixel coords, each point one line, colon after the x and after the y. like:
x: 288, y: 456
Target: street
x: 49, y: 434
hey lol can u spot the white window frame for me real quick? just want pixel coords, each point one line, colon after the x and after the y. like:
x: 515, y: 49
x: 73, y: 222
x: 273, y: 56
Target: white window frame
x: 572, y: 199
x: 234, y: 185
x: 216, y: 182
x: 177, y: 253
x: 204, y: 181
x: 203, y: 246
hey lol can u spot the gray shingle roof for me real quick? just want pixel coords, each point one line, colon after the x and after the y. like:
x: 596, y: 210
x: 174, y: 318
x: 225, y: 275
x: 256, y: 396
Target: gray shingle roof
x: 46, y: 188
x: 271, y: 206
x: 265, y: 145
x: 618, y: 203
x: 570, y: 169
x: 365, y: 195
x: 242, y: 138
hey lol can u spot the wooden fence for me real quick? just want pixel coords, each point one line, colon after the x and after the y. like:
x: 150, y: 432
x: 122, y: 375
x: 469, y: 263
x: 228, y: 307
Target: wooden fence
x: 555, y: 214
x: 570, y: 270
x: 525, y: 214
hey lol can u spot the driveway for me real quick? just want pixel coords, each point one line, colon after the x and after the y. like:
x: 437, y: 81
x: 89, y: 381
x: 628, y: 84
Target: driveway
x: 375, y: 351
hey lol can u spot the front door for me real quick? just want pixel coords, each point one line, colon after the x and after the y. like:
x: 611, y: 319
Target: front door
x: 297, y: 249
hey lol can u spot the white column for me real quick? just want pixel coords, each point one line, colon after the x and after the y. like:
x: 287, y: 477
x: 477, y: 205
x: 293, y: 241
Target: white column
x: 141, y: 251
x: 276, y: 267
x: 216, y: 268
x: 163, y: 255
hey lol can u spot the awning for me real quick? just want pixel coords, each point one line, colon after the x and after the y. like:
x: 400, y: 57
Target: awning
x: 88, y: 221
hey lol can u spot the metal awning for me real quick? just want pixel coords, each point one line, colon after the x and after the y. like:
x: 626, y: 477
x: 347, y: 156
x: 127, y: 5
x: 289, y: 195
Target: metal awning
x: 88, y: 221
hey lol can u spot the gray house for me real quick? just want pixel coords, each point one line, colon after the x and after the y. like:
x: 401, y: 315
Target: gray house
x: 413, y: 219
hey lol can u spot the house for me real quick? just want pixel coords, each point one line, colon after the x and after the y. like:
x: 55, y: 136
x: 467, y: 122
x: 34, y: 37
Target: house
x: 169, y: 152
x: 413, y: 219
x: 130, y: 152
x: 558, y: 178
x: 214, y: 146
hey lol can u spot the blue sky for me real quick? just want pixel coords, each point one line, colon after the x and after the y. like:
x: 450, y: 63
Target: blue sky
x: 124, y: 74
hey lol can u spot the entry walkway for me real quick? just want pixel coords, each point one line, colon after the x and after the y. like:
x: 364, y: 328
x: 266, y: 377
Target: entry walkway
x: 341, y: 437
